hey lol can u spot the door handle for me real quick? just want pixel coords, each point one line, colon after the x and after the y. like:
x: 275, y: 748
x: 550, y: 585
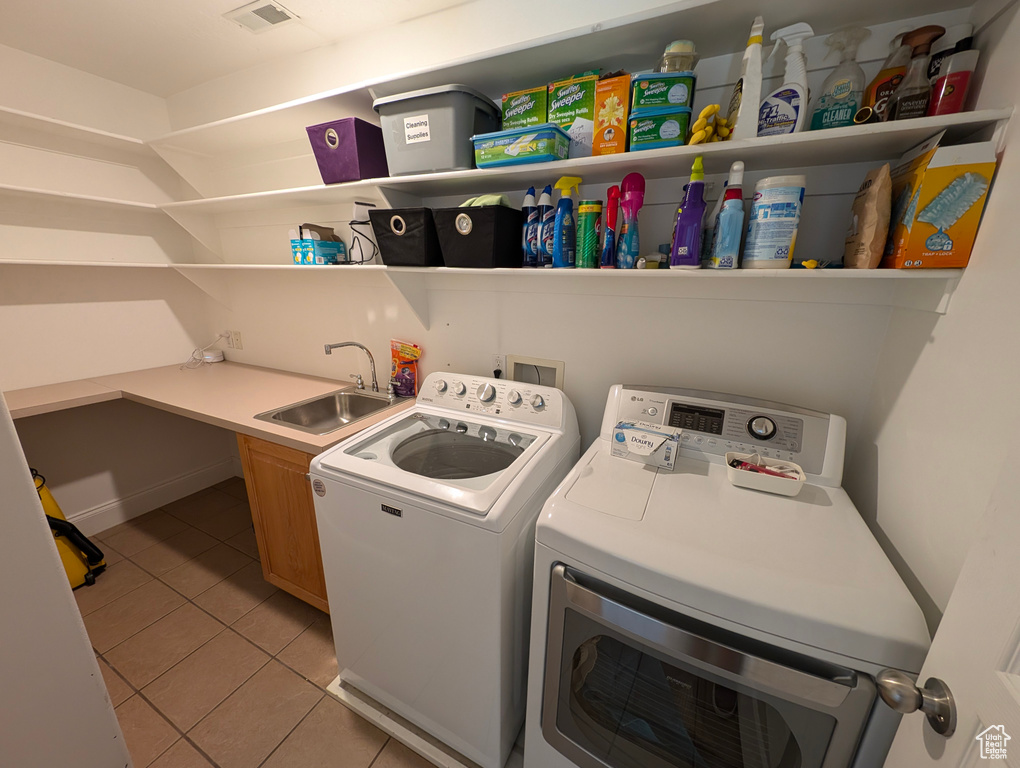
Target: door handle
x: 935, y: 700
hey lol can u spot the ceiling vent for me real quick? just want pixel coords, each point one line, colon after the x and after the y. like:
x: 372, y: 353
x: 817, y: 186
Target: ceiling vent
x: 260, y: 16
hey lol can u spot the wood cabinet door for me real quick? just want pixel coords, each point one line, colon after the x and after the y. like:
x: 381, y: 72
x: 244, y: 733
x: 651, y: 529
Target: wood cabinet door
x: 284, y: 516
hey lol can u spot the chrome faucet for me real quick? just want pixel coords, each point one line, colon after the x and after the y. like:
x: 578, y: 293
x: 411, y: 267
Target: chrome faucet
x: 371, y: 360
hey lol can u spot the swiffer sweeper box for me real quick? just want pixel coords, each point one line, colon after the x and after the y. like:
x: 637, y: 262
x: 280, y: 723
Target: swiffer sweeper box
x: 938, y: 195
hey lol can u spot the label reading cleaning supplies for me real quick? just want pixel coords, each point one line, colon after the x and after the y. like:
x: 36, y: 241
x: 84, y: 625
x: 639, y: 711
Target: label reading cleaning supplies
x: 416, y: 129
x: 589, y: 229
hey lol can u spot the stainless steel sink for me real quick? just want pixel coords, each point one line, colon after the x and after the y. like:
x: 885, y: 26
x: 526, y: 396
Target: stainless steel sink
x: 327, y: 413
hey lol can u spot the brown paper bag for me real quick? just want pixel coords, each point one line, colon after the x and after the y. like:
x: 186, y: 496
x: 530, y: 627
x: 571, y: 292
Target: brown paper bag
x: 869, y: 221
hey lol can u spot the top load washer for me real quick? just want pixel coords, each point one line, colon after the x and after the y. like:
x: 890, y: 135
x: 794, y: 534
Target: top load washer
x: 426, y: 525
x: 679, y: 620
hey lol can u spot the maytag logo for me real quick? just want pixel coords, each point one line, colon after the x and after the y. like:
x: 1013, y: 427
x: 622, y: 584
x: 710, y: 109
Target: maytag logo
x: 391, y: 510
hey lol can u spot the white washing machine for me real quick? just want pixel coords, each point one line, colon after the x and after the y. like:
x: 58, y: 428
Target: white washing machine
x: 679, y: 620
x: 426, y: 524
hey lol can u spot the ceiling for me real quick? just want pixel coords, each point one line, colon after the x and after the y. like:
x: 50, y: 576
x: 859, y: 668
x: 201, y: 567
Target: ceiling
x: 164, y: 48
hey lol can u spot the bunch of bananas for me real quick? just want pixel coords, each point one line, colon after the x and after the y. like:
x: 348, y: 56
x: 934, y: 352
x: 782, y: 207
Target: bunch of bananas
x: 710, y: 126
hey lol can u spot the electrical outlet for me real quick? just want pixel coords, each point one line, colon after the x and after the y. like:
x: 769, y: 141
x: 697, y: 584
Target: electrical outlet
x: 228, y: 339
x: 499, y: 363
x: 235, y: 340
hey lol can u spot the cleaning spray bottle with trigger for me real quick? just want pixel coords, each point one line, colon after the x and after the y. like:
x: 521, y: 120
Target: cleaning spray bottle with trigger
x: 529, y: 237
x: 843, y: 90
x: 685, y: 252
x: 564, y: 229
x: 911, y: 97
x: 742, y: 113
x: 784, y: 110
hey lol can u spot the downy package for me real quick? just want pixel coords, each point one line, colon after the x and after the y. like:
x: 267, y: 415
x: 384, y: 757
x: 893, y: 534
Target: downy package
x: 642, y: 441
x: 938, y: 194
x: 869, y: 221
x: 523, y: 109
x: 572, y: 108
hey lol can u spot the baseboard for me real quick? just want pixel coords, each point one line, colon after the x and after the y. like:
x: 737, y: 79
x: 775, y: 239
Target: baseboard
x: 97, y: 519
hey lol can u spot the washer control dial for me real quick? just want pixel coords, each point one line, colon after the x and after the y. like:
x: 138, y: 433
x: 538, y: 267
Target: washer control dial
x: 761, y: 427
x: 459, y: 388
x: 514, y: 397
x: 538, y: 402
x: 486, y: 393
x: 440, y: 386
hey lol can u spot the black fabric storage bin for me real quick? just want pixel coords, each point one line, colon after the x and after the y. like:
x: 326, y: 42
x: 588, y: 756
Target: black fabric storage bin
x: 484, y: 237
x: 406, y: 237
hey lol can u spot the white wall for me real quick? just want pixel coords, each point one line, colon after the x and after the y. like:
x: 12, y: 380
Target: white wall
x: 934, y: 437
x: 56, y: 708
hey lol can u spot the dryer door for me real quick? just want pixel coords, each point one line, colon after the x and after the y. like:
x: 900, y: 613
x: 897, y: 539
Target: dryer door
x: 630, y: 684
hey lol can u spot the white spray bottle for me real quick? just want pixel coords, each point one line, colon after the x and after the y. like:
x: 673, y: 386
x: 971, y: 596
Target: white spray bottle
x: 785, y: 109
x: 843, y: 90
x: 742, y: 113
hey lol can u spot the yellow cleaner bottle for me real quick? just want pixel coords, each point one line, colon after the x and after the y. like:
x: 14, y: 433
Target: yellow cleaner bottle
x: 784, y: 110
x: 742, y: 113
x: 843, y: 90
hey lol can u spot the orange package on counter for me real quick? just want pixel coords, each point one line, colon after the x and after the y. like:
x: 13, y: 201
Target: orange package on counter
x: 404, y: 367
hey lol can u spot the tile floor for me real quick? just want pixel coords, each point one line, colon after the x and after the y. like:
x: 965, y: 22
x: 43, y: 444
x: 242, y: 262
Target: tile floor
x: 205, y: 662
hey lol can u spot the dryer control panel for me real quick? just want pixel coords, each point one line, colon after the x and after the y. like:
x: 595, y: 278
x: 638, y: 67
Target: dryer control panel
x: 463, y: 393
x: 715, y: 424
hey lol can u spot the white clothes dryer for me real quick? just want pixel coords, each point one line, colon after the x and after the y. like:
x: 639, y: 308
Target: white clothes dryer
x: 679, y: 620
x: 426, y: 524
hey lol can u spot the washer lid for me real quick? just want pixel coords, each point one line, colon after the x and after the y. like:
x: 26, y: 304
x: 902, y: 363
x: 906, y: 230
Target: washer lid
x: 466, y: 463
x: 804, y: 568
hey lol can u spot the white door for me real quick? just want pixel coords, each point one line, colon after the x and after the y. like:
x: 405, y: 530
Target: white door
x: 976, y: 651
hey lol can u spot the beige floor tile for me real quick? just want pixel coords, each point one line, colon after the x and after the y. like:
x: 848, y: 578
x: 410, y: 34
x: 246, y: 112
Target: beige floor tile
x: 116, y: 581
x: 142, y: 532
x: 274, y: 623
x: 330, y: 735
x: 146, y: 734
x: 227, y: 523
x: 396, y: 755
x: 312, y: 653
x: 145, y: 656
x: 237, y: 594
x: 243, y: 730
x: 235, y: 487
x: 211, y: 567
x: 119, y: 690
x: 218, y: 514
x: 110, y: 555
x: 182, y: 755
x: 245, y: 541
x: 117, y: 621
x: 193, y: 688
x: 177, y: 550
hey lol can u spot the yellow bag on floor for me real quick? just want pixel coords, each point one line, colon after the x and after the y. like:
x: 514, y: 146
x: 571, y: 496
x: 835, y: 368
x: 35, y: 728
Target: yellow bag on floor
x: 82, y: 559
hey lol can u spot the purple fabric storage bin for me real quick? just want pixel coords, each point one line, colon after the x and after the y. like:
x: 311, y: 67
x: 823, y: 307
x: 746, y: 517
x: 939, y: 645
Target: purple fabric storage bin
x: 348, y: 150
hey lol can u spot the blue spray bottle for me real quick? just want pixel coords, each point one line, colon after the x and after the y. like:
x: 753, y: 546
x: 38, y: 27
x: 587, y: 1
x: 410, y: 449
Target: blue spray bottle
x: 529, y: 236
x: 565, y: 229
x: 546, y: 227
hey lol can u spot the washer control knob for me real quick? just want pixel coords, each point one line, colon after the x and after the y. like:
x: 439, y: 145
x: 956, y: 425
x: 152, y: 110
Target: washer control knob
x: 440, y: 385
x: 487, y: 433
x: 652, y: 411
x: 461, y: 427
x: 762, y: 427
x: 486, y: 393
x: 538, y: 402
x: 459, y: 388
x: 444, y: 424
x: 514, y: 397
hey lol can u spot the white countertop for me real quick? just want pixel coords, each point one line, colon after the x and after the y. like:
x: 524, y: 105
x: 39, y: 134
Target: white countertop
x: 224, y: 394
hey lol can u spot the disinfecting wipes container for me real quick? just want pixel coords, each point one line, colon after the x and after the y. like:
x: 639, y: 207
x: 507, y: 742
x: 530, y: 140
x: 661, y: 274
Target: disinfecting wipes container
x: 772, y: 226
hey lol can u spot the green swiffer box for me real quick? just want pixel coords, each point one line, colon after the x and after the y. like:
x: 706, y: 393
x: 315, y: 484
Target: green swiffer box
x: 572, y: 108
x: 523, y: 109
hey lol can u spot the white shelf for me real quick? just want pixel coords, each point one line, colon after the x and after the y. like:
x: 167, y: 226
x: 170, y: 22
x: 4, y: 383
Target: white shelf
x: 87, y: 264
x: 85, y: 200
x: 883, y: 141
x: 72, y: 131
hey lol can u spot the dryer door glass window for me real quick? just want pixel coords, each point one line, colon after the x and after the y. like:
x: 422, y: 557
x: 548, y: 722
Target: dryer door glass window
x: 628, y: 686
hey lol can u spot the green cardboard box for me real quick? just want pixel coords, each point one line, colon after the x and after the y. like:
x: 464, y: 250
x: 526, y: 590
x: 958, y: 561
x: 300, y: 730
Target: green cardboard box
x: 522, y: 109
x: 572, y: 107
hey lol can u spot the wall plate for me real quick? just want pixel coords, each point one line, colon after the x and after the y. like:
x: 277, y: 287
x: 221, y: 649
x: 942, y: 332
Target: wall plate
x: 535, y: 370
